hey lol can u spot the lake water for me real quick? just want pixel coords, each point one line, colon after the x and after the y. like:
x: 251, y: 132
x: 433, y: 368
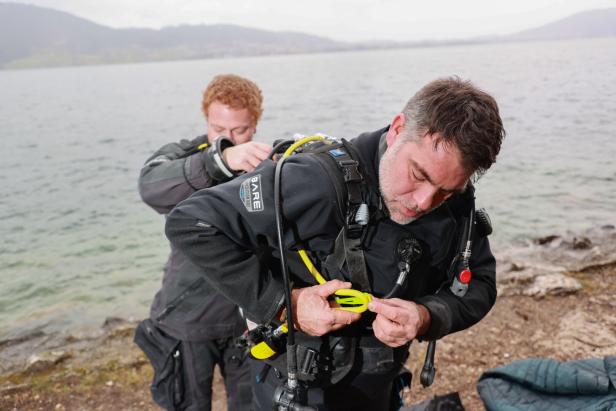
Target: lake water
x: 78, y: 245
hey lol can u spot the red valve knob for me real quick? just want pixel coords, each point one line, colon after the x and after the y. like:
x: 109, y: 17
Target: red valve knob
x: 465, y: 276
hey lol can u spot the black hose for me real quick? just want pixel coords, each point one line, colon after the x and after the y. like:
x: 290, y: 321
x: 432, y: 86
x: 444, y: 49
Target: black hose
x: 291, y: 347
x: 278, y: 146
x: 466, y: 256
x: 428, y: 371
x: 399, y: 282
x: 409, y: 251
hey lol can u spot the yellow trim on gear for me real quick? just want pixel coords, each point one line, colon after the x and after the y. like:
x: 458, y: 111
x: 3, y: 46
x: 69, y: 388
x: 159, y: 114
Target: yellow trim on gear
x: 352, y: 300
x: 300, y: 143
x: 311, y: 268
x: 347, y: 299
x: 262, y: 351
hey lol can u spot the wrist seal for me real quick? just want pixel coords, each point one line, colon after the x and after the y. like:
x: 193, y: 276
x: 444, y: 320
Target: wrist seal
x: 215, y: 164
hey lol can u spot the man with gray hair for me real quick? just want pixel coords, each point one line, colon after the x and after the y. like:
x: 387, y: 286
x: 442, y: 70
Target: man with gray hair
x: 392, y: 216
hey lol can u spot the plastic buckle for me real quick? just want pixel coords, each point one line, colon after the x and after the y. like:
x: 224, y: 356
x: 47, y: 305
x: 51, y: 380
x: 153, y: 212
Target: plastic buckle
x: 351, y: 171
x: 310, y: 362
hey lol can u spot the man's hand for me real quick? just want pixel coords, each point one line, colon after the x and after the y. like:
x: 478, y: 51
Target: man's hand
x: 398, y: 321
x: 246, y: 156
x: 314, y: 315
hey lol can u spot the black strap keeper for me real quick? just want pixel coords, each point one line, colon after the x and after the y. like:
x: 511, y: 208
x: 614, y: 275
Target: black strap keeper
x: 354, y: 231
x: 215, y: 164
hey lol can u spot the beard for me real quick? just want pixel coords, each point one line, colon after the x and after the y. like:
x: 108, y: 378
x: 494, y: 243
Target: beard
x: 386, y: 181
x: 397, y: 206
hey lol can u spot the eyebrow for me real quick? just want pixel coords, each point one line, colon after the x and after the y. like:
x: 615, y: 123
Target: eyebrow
x: 234, y: 128
x: 425, y: 175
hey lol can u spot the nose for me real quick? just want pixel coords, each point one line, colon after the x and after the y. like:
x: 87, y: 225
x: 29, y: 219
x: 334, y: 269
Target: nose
x: 424, y: 197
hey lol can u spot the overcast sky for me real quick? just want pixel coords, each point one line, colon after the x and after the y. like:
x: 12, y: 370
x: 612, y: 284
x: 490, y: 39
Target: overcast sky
x: 351, y: 20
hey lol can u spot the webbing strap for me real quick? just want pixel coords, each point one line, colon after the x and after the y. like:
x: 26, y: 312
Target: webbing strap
x: 348, y: 247
x: 335, y: 260
x: 356, y: 262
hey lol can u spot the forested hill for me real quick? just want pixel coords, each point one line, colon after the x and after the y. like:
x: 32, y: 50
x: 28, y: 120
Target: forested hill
x: 592, y: 23
x: 35, y: 36
x: 32, y: 36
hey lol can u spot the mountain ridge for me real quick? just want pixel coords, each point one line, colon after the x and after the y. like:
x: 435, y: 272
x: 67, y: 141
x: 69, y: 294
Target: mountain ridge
x: 32, y: 36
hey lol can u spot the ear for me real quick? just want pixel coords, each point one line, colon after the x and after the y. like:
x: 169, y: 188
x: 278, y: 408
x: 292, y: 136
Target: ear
x: 396, y: 128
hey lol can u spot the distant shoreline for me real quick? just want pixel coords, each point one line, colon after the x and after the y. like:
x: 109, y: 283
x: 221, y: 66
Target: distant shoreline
x: 27, y: 65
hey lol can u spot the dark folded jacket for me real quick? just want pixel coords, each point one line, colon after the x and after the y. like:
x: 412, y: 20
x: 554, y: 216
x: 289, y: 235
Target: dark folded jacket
x: 550, y: 385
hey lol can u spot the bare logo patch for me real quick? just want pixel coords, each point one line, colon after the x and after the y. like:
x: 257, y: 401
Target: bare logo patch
x: 251, y: 194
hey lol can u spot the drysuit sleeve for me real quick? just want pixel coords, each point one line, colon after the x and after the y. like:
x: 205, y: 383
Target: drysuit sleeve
x: 229, y: 230
x: 173, y: 173
x: 450, y: 313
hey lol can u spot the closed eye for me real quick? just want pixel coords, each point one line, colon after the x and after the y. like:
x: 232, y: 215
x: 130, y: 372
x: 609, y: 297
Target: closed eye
x: 240, y: 130
x: 416, y: 177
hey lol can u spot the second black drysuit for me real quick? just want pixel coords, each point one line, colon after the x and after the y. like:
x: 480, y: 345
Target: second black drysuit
x: 189, y: 321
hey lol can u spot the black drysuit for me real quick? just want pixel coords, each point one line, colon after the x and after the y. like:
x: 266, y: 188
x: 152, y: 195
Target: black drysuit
x: 187, y: 310
x: 229, y: 232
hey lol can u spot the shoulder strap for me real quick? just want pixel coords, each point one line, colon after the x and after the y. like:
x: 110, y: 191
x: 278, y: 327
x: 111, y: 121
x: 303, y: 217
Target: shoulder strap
x: 349, y: 183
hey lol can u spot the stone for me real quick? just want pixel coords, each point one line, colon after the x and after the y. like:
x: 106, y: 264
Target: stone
x: 545, y: 240
x: 45, y: 360
x: 113, y: 322
x: 516, y: 267
x: 13, y: 388
x: 581, y: 243
x: 552, y: 284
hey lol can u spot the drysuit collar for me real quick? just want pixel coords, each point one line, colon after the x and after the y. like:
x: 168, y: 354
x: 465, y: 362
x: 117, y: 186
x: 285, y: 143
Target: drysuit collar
x: 370, y: 147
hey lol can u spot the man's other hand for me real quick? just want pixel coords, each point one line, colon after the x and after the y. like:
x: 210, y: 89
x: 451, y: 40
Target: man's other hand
x: 398, y: 321
x: 314, y: 314
x: 246, y: 156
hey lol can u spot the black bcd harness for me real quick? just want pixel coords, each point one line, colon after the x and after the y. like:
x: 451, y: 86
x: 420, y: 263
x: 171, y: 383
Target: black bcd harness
x: 359, y: 205
x: 355, y: 201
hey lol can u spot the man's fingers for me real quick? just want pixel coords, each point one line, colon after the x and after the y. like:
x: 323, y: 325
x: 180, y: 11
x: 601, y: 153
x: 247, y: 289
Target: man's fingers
x: 246, y: 156
x: 263, y: 146
x: 330, y: 287
x: 398, y: 302
x: 388, y: 327
x: 256, y: 148
x: 391, y: 312
x: 258, y: 154
x: 253, y: 161
x: 388, y: 332
x: 263, y: 151
x: 313, y: 313
x: 392, y: 302
x: 343, y: 317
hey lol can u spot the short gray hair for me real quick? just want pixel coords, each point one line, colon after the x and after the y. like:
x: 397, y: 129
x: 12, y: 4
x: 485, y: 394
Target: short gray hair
x: 463, y: 115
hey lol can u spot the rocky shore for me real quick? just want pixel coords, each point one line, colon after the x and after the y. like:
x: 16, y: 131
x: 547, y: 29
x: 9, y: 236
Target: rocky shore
x: 556, y: 300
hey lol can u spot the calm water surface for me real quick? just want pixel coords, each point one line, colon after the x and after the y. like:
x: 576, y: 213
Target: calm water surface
x: 78, y: 245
